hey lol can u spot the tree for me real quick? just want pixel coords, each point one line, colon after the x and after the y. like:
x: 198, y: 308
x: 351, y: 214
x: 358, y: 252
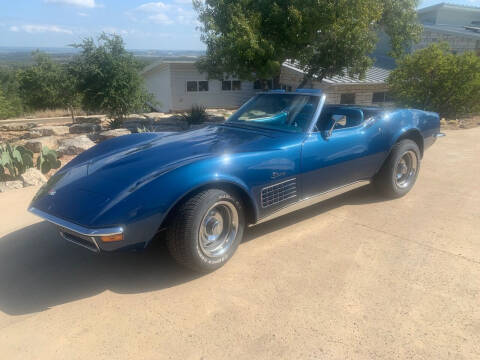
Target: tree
x: 252, y: 38
x: 48, y: 85
x: 108, y: 78
x: 435, y: 79
x: 9, y: 87
x: 6, y: 109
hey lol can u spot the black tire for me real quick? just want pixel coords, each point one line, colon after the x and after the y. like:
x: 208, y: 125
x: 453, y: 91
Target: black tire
x: 386, y: 180
x: 183, y: 234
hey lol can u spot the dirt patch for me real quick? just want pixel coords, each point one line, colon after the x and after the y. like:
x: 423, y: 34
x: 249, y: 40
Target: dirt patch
x: 462, y: 123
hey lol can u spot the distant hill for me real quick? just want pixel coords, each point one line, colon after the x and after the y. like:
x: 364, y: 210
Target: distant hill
x: 20, y: 56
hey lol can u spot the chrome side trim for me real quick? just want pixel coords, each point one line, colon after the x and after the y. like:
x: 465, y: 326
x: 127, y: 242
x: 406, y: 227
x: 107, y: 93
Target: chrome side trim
x: 74, y: 227
x: 313, y: 200
x: 438, y: 135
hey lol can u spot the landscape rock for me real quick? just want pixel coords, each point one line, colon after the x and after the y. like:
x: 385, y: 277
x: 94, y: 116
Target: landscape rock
x: 88, y: 120
x: 17, y: 127
x: 75, y: 146
x: 138, y: 118
x: 52, y: 130
x: 36, y: 145
x: 33, y: 177
x: 11, y: 185
x: 84, y: 128
x: 170, y: 124
x: 109, y: 134
x: 137, y: 123
x: 31, y: 134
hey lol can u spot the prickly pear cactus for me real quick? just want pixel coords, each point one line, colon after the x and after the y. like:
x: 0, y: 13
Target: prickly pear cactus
x: 15, y: 159
x: 47, y: 160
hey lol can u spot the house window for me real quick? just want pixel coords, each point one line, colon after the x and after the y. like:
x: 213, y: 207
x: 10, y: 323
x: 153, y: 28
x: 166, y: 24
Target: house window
x: 348, y: 98
x: 194, y: 86
x: 203, y: 86
x: 285, y: 87
x: 234, y: 85
x: 381, y: 97
x: 258, y: 84
x: 226, y: 85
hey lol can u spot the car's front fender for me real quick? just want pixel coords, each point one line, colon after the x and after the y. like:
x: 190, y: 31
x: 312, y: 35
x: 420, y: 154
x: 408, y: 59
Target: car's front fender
x: 143, y: 211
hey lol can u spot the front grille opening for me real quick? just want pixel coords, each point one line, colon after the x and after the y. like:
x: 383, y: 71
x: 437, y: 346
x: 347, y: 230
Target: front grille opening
x: 278, y: 193
x: 81, y: 240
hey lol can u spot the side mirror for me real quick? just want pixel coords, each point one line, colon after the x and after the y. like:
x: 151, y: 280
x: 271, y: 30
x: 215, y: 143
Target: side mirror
x: 330, y: 128
x: 335, y: 120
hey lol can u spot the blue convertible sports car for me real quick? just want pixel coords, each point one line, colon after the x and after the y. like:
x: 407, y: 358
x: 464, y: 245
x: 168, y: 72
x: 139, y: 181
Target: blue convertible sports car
x: 279, y: 152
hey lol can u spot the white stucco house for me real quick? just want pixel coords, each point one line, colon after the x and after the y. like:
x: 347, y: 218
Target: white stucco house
x: 178, y: 85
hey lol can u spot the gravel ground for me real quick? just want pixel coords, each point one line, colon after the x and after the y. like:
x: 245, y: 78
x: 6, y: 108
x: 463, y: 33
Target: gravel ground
x: 353, y: 278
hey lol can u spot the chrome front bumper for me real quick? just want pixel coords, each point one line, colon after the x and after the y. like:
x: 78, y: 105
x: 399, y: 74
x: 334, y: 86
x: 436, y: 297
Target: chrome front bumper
x: 79, y: 235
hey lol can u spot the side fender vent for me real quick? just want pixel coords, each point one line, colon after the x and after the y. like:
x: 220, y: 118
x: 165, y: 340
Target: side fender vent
x: 275, y: 194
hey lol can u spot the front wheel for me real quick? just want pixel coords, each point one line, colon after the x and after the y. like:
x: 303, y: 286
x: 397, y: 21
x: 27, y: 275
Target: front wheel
x: 400, y: 171
x: 206, y: 230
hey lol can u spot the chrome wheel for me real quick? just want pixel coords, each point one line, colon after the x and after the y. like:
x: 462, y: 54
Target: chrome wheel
x: 218, y: 229
x: 406, y: 169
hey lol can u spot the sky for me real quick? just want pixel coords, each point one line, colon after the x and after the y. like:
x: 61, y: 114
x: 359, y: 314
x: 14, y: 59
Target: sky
x: 162, y: 25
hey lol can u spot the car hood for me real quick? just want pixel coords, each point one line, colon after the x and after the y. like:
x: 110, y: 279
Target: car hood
x: 85, y: 185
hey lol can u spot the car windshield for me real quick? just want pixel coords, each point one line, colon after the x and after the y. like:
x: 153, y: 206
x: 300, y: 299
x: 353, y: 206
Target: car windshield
x: 289, y: 112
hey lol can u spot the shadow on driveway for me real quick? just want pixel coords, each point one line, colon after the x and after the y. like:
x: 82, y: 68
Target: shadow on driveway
x: 39, y: 270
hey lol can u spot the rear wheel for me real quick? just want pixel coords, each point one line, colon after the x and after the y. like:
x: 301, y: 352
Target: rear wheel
x: 400, y: 171
x: 206, y: 230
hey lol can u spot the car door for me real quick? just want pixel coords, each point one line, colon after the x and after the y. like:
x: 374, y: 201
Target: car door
x: 343, y: 149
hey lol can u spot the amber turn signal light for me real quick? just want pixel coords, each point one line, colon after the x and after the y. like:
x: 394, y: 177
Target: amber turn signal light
x: 112, y: 238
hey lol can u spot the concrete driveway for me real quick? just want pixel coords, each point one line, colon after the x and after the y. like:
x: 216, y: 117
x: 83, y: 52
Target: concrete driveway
x: 353, y: 278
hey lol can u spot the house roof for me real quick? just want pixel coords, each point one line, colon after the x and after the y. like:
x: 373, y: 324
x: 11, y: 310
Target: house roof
x: 447, y: 5
x: 167, y: 61
x: 377, y: 74
x: 465, y: 31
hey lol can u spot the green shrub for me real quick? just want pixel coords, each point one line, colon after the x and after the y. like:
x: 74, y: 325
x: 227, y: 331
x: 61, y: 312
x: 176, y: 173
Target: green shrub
x: 115, y: 123
x: 108, y: 77
x: 196, y: 115
x: 10, y: 102
x: 435, y: 79
x: 15, y: 159
x: 47, y: 160
x: 48, y: 84
x: 6, y: 108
